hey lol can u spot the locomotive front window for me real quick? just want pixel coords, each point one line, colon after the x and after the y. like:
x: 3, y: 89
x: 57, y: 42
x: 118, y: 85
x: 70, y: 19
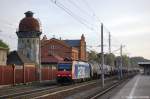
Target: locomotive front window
x: 64, y: 67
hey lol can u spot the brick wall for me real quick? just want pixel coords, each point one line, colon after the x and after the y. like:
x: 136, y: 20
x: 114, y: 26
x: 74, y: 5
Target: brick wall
x: 55, y: 47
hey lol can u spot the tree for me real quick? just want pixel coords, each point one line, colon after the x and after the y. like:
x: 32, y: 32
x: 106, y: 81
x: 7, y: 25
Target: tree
x: 125, y: 61
x: 112, y: 60
x: 3, y: 45
x: 109, y: 59
x: 135, y: 60
x: 92, y: 56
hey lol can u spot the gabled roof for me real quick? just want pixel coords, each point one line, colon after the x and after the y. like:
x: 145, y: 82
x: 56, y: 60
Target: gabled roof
x: 53, y: 39
x: 72, y: 43
x: 18, y: 59
x: 52, y: 59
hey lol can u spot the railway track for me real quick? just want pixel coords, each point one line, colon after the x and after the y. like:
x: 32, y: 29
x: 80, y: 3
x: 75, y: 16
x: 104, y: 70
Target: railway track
x: 53, y: 92
x: 107, y: 89
x: 57, y: 92
x: 62, y: 92
x: 24, y: 92
x: 98, y: 90
x: 43, y: 91
x: 17, y: 89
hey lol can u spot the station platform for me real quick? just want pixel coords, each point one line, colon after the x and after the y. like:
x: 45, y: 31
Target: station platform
x: 136, y: 88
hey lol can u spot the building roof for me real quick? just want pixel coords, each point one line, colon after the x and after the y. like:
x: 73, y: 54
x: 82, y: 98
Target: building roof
x: 2, y: 48
x: 72, y: 43
x: 52, y: 59
x: 17, y: 58
x: 143, y: 63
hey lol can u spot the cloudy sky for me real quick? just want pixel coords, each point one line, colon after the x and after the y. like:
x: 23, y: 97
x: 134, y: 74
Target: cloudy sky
x: 127, y: 21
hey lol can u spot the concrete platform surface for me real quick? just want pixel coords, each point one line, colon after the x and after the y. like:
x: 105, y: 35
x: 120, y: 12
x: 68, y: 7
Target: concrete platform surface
x: 137, y: 88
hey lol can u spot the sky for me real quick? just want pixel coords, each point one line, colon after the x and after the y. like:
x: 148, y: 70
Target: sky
x: 127, y: 21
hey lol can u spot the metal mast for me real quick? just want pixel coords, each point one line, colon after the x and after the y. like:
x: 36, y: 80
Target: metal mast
x: 109, y: 43
x: 102, y: 55
x: 121, y: 60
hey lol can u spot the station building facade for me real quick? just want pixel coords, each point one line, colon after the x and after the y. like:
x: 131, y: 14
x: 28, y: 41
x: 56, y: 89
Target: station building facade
x: 57, y: 50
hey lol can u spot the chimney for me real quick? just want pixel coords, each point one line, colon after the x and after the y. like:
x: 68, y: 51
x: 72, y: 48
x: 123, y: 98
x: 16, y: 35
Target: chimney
x: 44, y: 37
x: 60, y: 38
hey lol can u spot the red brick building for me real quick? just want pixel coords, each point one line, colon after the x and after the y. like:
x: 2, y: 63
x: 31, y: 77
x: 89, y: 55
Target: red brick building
x: 55, y: 50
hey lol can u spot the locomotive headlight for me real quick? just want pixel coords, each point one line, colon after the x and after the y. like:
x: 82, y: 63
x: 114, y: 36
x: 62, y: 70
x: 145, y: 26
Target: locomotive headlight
x: 69, y: 75
x: 58, y: 75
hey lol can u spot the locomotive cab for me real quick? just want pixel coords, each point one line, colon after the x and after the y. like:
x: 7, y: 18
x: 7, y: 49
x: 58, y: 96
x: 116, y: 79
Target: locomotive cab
x: 75, y: 71
x: 64, y: 74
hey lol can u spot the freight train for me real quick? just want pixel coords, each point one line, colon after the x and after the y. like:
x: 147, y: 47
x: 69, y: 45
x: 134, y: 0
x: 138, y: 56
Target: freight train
x: 78, y: 71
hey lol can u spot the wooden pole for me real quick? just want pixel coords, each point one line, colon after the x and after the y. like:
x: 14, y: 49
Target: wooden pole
x: 14, y: 74
x: 24, y: 74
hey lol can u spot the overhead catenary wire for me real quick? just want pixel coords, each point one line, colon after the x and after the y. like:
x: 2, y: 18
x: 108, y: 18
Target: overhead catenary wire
x: 91, y: 9
x: 80, y: 19
x: 84, y: 12
x: 76, y: 17
x: 115, y: 41
x: 95, y: 15
x: 104, y: 27
x: 80, y: 9
x: 8, y: 24
x: 7, y: 36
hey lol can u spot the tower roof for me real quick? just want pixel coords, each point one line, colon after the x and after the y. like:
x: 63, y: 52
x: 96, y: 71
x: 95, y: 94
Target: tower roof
x: 29, y: 23
x: 29, y: 14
